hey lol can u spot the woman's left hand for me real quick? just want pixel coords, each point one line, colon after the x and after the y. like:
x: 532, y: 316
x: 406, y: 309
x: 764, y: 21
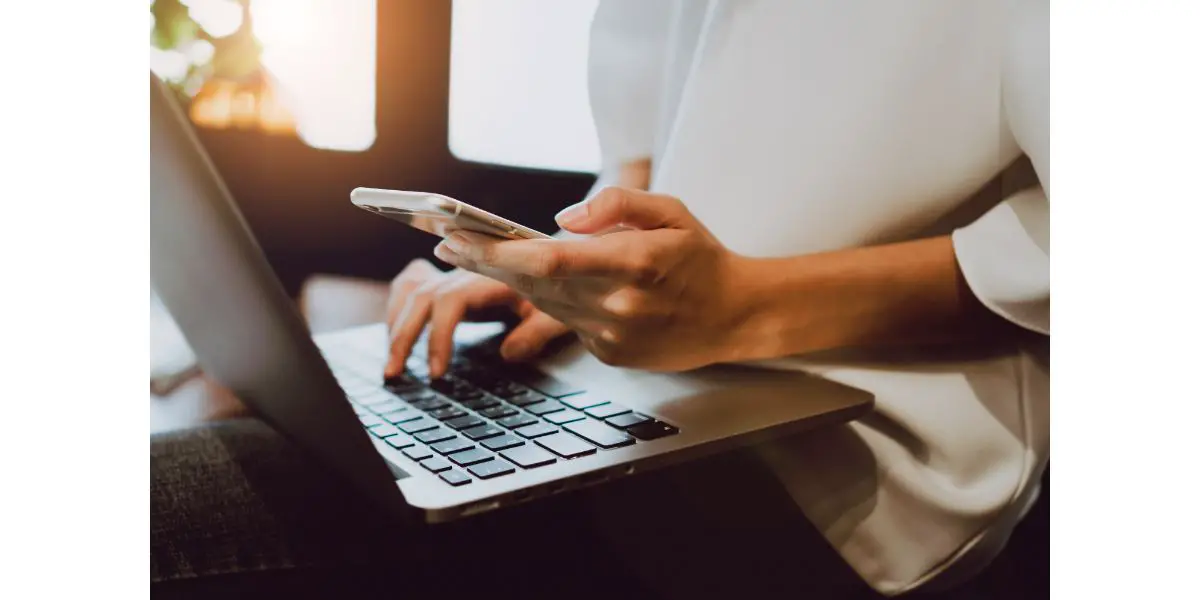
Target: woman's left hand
x: 662, y: 293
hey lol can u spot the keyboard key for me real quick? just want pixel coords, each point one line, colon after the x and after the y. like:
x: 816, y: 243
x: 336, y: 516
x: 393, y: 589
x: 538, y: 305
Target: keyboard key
x: 418, y: 425
x: 498, y: 412
x: 505, y: 441
x: 536, y: 430
x: 599, y: 434
x: 454, y: 477
x: 401, y: 416
x: 443, y: 385
x: 464, y: 394
x: 550, y: 386
x: 480, y: 432
x: 491, y: 468
x: 481, y: 403
x: 526, y: 398
x: 400, y: 441
x: 447, y: 412
x: 417, y: 452
x: 373, y: 397
x: 545, y: 408
x: 582, y: 401
x: 452, y: 445
x: 565, y: 416
x: 470, y: 457
x: 370, y: 420
x: 401, y: 381
x: 518, y: 420
x: 528, y: 457
x: 652, y: 430
x: 389, y: 406
x: 415, y: 395
x: 628, y: 420
x: 383, y: 430
x: 427, y: 404
x: 433, y: 436
x: 605, y: 411
x: 566, y: 445
x: 464, y: 421
x: 435, y: 464
x: 359, y: 410
x: 506, y: 389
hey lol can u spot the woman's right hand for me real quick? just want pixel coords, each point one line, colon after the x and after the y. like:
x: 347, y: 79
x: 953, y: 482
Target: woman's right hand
x: 423, y: 294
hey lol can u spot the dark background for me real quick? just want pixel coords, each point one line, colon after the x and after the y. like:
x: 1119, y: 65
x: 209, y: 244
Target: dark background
x: 297, y: 198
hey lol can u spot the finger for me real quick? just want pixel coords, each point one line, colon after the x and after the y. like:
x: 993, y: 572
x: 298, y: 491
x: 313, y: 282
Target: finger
x: 613, y: 207
x: 450, y: 307
x: 621, y: 256
x: 414, y: 274
x: 445, y: 315
x: 530, y: 337
x: 408, y: 328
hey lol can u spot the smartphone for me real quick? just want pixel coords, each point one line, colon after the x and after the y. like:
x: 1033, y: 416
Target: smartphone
x: 438, y: 214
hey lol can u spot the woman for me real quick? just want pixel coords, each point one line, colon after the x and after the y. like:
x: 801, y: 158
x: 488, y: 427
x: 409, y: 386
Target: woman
x: 805, y: 185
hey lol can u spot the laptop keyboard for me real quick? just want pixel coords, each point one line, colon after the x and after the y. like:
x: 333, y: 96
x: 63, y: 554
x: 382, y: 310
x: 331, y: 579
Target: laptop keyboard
x: 484, y: 419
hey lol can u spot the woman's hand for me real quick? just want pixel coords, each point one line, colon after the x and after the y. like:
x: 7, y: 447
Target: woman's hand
x: 422, y: 294
x: 660, y: 294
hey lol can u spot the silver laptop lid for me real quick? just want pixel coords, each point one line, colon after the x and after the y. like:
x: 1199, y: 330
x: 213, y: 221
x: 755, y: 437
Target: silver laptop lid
x: 245, y: 331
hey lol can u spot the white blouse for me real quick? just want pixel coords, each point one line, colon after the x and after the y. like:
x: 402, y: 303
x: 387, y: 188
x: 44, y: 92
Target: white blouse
x: 798, y: 126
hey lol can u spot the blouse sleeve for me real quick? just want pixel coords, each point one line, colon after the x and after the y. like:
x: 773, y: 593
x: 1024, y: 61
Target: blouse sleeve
x: 1005, y: 254
x: 626, y: 59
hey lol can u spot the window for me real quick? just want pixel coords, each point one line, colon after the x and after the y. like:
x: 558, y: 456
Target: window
x: 518, y: 84
x: 296, y: 67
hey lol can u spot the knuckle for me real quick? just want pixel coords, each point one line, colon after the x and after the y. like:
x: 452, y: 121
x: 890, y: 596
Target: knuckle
x: 400, y: 284
x: 605, y: 352
x: 444, y: 293
x: 487, y: 254
x: 412, y: 274
x: 609, y: 193
x: 645, y: 270
x: 416, y: 268
x: 523, y: 283
x: 551, y: 263
x: 612, y: 198
x: 623, y: 305
x: 674, y: 203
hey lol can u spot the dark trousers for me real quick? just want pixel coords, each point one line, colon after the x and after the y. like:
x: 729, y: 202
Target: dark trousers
x: 238, y: 511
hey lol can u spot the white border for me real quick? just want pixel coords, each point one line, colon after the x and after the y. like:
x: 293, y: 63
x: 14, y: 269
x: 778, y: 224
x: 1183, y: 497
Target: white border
x: 74, y: 260
x: 73, y: 254
x: 1126, y: 124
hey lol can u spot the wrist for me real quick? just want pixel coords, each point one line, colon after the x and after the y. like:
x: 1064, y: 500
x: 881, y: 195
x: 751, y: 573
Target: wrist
x: 753, y: 329
x: 793, y: 305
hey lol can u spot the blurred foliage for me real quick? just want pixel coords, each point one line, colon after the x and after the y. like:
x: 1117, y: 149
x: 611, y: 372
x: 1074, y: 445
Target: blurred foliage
x: 235, y: 56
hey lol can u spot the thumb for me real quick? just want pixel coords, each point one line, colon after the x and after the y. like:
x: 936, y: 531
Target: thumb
x: 614, y: 207
x: 527, y: 339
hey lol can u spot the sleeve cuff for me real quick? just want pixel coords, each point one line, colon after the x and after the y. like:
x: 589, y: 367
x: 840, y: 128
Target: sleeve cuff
x: 1005, y: 258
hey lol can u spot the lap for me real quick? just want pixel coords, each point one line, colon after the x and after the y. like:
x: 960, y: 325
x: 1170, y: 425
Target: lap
x: 236, y: 510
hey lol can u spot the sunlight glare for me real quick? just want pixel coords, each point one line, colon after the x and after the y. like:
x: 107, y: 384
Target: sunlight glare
x: 322, y: 52
x: 217, y: 17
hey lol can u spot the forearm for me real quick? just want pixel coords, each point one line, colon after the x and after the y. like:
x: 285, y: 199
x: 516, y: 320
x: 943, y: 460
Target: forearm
x: 905, y: 293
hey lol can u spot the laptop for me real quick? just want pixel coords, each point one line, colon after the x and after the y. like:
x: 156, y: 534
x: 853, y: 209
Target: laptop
x: 488, y: 434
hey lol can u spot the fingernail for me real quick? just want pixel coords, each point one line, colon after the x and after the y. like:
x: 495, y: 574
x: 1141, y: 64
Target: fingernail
x: 457, y: 244
x: 572, y: 215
